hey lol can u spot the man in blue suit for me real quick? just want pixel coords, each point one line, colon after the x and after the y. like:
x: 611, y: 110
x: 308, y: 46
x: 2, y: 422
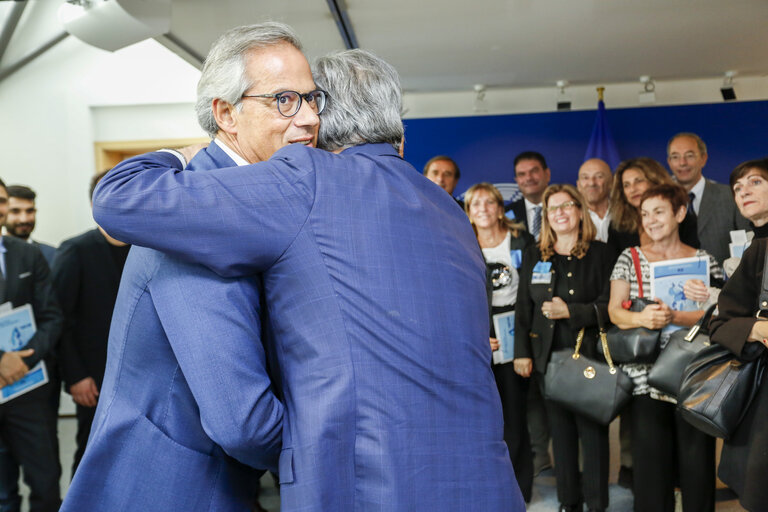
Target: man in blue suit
x: 186, y: 405
x: 375, y: 293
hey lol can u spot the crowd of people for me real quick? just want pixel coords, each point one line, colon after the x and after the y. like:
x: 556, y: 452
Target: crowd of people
x: 317, y: 342
x: 562, y: 250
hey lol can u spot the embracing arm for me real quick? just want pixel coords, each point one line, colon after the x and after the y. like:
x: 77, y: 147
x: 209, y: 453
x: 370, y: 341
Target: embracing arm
x: 235, y: 220
x: 214, y: 327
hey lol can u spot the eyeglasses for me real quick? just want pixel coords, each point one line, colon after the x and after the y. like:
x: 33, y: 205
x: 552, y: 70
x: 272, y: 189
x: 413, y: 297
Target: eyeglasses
x: 689, y: 156
x: 289, y: 102
x: 568, y: 205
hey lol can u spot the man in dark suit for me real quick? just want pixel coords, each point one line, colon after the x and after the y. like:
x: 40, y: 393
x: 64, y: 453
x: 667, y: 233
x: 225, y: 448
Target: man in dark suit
x: 711, y: 202
x: 86, y: 276
x: 27, y: 422
x: 444, y: 172
x: 532, y: 176
x: 22, y: 215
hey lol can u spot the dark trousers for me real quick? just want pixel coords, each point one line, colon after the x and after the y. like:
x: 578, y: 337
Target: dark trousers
x: 26, y: 426
x: 573, y: 487
x: 84, y: 421
x: 665, y: 446
x: 10, y: 501
x: 538, y: 424
x: 513, y: 391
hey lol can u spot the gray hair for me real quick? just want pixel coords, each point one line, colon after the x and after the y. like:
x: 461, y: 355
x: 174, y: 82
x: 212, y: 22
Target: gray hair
x: 224, y: 73
x: 364, y: 101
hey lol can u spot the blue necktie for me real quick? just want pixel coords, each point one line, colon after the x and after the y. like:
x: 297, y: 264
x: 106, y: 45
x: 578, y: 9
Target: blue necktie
x: 536, y: 228
x: 691, y: 196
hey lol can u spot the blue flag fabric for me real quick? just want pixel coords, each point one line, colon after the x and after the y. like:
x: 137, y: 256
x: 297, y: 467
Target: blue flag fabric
x: 601, y: 143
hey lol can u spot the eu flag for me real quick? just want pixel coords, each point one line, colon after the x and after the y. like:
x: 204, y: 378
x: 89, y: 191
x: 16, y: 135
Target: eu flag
x: 601, y: 143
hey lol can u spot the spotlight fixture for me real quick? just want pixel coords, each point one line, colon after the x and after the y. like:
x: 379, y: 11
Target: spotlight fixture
x: 479, y: 103
x: 727, y: 89
x: 563, y: 99
x: 648, y: 94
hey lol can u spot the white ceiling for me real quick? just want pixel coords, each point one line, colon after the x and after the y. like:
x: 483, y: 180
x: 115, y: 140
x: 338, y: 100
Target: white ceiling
x: 441, y: 45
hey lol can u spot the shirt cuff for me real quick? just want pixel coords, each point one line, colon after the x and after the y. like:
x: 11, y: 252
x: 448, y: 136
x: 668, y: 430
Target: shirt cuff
x: 177, y: 155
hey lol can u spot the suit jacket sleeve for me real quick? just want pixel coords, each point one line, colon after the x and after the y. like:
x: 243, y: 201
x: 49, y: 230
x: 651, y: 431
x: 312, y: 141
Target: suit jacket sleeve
x: 66, y: 274
x: 236, y: 220
x: 214, y: 328
x: 48, y: 316
x: 737, y: 303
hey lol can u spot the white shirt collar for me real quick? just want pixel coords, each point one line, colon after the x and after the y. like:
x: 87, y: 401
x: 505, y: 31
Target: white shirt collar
x: 529, y: 206
x: 698, y: 191
x: 230, y: 153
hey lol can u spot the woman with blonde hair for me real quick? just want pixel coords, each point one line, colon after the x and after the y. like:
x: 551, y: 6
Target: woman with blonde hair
x: 502, y: 241
x: 561, y: 281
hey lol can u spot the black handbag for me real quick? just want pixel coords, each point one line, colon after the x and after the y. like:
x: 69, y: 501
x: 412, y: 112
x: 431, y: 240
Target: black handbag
x: 718, y: 387
x: 584, y: 386
x: 638, y: 344
x: 667, y: 371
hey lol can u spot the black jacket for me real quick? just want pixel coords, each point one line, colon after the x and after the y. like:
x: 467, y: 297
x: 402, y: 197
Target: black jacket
x: 27, y: 281
x: 589, y: 282
x: 86, y: 280
x: 744, y: 461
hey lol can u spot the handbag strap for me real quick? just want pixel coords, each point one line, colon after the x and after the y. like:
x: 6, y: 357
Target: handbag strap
x: 639, y: 273
x: 603, y: 340
x: 704, y: 320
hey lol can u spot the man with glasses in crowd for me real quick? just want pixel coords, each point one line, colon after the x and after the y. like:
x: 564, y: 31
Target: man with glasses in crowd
x: 711, y: 202
x: 390, y: 401
x: 187, y: 404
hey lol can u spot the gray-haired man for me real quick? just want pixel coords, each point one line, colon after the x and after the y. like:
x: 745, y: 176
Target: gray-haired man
x: 390, y: 401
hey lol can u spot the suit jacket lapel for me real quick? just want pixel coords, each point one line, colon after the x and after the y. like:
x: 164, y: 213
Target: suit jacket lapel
x: 12, y: 269
x: 706, y: 210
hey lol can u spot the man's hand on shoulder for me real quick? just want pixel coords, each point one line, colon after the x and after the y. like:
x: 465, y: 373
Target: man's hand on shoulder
x: 84, y: 392
x: 189, y: 152
x: 13, y: 367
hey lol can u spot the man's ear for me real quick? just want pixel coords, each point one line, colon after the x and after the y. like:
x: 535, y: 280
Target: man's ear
x: 225, y: 115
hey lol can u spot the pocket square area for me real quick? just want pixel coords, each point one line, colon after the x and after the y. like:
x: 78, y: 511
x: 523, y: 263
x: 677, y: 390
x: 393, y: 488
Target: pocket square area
x: 24, y: 274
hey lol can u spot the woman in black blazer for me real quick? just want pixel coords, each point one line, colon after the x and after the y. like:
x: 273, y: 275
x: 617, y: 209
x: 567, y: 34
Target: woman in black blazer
x: 560, y: 281
x: 744, y: 462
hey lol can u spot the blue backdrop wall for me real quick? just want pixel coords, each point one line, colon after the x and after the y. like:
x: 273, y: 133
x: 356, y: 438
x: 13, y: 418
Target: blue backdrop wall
x: 485, y: 146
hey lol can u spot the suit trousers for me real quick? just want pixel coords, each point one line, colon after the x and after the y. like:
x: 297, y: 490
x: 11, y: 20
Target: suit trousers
x: 573, y: 487
x: 85, y: 417
x: 26, y: 429
x: 10, y: 500
x: 665, y: 446
x: 513, y: 390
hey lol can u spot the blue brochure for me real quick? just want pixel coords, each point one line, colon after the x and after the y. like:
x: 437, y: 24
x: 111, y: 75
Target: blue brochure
x: 504, y: 325
x: 668, y: 278
x: 17, y: 326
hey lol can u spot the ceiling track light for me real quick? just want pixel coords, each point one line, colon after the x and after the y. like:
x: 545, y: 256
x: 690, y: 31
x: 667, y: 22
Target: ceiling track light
x: 648, y: 94
x: 727, y: 91
x: 563, y: 99
x: 479, y: 103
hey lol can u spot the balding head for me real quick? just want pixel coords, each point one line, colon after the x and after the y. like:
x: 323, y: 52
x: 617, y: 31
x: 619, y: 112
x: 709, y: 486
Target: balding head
x: 595, y: 182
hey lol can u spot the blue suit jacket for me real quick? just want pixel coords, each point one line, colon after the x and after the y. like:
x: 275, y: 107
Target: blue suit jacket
x: 375, y: 292
x: 186, y: 400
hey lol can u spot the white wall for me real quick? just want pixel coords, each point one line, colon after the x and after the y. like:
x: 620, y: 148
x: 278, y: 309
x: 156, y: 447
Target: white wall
x: 54, y: 109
